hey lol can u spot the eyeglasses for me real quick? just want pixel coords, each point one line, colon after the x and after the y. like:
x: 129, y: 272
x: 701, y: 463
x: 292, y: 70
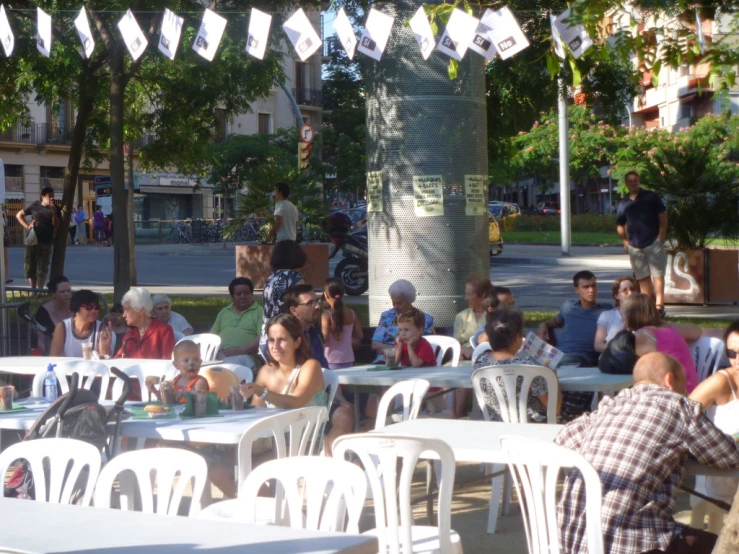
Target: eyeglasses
x: 731, y: 353
x: 91, y: 307
x: 311, y: 303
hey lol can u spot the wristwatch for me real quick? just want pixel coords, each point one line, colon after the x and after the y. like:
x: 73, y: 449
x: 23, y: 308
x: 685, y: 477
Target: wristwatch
x: 264, y: 393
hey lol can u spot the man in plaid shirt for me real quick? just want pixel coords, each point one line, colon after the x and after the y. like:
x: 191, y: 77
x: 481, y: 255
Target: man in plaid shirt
x: 638, y: 442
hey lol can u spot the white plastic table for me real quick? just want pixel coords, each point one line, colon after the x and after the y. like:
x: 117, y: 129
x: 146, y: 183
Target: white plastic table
x: 40, y: 527
x: 31, y: 365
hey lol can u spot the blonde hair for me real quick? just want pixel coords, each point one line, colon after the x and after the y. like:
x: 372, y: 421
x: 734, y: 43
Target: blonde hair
x: 639, y: 310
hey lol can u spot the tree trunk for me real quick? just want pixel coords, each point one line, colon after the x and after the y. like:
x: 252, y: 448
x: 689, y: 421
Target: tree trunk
x: 132, y: 225
x: 121, y: 246
x: 728, y: 539
x: 84, y: 109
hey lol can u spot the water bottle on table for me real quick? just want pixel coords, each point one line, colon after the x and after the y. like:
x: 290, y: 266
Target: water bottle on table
x: 50, y: 392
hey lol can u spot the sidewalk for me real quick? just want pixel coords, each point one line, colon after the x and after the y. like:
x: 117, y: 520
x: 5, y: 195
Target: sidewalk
x: 551, y: 255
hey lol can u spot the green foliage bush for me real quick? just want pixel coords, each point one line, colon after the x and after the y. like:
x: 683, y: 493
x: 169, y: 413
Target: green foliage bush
x: 588, y: 223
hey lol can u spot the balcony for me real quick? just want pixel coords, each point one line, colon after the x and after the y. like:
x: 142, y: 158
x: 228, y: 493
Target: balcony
x: 308, y: 97
x: 38, y: 133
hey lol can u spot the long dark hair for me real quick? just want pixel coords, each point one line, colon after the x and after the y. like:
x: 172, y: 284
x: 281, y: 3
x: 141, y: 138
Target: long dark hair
x: 334, y: 288
x: 292, y: 325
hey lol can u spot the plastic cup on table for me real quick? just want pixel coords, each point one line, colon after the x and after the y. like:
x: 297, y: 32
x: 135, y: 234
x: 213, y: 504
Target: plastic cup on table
x: 200, y: 403
x: 237, y: 400
x: 6, y: 397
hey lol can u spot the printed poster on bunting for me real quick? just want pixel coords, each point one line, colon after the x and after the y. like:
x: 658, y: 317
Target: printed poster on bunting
x: 482, y: 43
x: 82, y: 24
x: 43, y: 38
x: 459, y: 32
x: 6, y: 34
x: 132, y: 35
x: 169, y: 39
x: 376, y: 34
x: 428, y: 195
x: 574, y: 36
x: 474, y: 192
x: 506, y: 34
x: 345, y: 32
x: 209, y: 36
x: 302, y: 35
x: 374, y: 191
x: 258, y: 34
x: 421, y: 28
x: 559, y: 48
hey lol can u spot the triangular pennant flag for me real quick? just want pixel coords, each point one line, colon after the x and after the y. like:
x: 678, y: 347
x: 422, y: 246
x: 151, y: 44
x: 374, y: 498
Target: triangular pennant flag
x: 699, y: 32
x: 459, y: 32
x: 169, y: 39
x: 507, y: 36
x: 6, y: 33
x: 210, y: 34
x: 559, y: 48
x: 132, y: 35
x: 82, y: 24
x: 302, y: 35
x: 345, y: 32
x: 43, y: 38
x: 376, y: 34
x: 482, y: 43
x: 256, y: 41
x: 424, y: 33
x: 574, y: 36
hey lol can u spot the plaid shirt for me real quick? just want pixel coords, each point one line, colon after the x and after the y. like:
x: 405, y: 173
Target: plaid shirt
x: 638, y: 442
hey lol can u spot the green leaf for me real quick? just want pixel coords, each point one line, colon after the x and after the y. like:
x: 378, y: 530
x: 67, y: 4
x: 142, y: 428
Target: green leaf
x: 453, y: 69
x: 434, y: 28
x: 655, y: 72
x: 553, y: 65
x: 576, y: 75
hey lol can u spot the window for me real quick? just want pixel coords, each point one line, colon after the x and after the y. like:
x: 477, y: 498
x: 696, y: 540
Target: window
x: 13, y: 170
x: 52, y: 172
x: 686, y: 111
x: 264, y: 123
x: 13, y: 178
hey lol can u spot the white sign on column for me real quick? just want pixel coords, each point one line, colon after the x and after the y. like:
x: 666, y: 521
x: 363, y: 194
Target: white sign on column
x: 507, y: 36
x: 424, y: 33
x: 574, y: 36
x: 459, y: 32
x: 345, y: 32
x: 376, y: 34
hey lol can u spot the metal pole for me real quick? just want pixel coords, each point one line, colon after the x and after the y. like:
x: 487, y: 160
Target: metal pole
x: 564, y: 169
x: 293, y: 105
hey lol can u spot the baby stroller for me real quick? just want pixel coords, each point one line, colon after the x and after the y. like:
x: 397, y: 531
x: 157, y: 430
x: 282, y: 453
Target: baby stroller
x: 24, y: 314
x: 75, y: 415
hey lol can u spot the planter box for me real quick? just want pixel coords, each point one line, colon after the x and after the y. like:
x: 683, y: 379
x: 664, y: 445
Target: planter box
x: 705, y: 276
x: 253, y: 261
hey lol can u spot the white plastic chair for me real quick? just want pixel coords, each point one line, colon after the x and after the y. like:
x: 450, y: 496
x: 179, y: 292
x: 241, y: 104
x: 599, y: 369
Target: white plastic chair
x: 58, y: 486
x: 242, y: 372
x: 513, y: 409
x: 209, y: 345
x: 410, y: 393
x: 319, y: 493
x: 379, y: 454
x: 536, y: 465
x: 707, y: 353
x: 479, y: 350
x: 331, y: 384
x: 88, y: 371
x: 166, y: 464
x: 442, y: 345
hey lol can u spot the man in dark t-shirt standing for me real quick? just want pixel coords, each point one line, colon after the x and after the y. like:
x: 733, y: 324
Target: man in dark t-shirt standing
x: 45, y: 219
x: 642, y: 214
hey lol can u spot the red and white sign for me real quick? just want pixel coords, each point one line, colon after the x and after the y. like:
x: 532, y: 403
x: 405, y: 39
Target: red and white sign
x: 307, y: 133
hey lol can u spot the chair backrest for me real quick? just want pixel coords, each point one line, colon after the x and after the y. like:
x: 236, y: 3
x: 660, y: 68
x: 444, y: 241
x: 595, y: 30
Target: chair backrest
x: 410, y: 392
x: 88, y: 371
x: 479, y: 350
x: 321, y: 493
x: 59, y: 483
x: 707, y: 353
x: 241, y: 371
x: 379, y: 454
x: 295, y: 433
x: 209, y: 345
x: 535, y: 466
x: 163, y: 368
x: 501, y: 382
x: 331, y: 384
x: 442, y: 345
x: 162, y: 465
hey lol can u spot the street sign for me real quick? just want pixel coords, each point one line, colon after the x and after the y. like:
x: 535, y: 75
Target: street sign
x: 307, y: 133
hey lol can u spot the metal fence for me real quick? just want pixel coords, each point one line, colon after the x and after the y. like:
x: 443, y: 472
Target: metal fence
x: 38, y: 133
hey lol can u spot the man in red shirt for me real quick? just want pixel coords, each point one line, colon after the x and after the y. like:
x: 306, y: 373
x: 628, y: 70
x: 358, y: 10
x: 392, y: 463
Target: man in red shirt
x: 411, y: 349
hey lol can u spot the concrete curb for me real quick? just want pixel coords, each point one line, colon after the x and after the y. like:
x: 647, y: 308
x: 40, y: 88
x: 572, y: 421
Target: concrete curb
x: 582, y: 263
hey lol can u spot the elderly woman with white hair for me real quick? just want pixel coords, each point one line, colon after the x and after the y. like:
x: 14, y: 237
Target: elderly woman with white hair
x: 402, y: 294
x: 163, y: 312
x: 148, y: 338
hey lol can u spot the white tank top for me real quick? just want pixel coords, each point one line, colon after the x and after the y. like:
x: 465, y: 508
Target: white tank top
x: 726, y: 418
x: 73, y: 344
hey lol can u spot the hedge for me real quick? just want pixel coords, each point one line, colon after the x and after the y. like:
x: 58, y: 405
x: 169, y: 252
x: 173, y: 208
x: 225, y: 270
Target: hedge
x: 588, y: 223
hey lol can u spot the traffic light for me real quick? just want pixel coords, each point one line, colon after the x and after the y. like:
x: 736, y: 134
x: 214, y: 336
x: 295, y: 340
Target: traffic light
x: 304, y: 155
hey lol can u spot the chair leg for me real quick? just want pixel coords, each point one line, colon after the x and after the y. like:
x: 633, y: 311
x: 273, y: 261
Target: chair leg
x: 495, y: 491
x: 430, y: 480
x: 507, y: 493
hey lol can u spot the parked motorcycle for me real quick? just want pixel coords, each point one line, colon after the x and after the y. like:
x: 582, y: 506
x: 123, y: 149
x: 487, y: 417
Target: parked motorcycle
x: 353, y: 269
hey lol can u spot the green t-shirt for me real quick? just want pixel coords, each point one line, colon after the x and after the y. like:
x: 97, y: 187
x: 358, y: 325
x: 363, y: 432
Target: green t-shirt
x: 238, y: 329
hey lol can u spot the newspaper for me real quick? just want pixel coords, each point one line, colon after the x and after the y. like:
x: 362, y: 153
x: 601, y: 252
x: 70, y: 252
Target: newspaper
x: 545, y: 354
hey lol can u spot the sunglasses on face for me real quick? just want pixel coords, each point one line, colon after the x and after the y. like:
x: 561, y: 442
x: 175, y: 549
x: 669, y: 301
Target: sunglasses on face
x: 91, y: 307
x: 731, y: 354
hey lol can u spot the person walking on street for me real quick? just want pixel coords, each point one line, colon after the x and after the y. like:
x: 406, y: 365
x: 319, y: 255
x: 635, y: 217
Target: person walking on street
x: 81, y: 221
x: 98, y: 226
x: 45, y: 220
x: 285, y: 226
x: 643, y: 216
x: 73, y: 225
x: 6, y: 245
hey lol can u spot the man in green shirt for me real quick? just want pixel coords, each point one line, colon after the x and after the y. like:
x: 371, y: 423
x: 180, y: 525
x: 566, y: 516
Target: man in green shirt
x: 240, y: 324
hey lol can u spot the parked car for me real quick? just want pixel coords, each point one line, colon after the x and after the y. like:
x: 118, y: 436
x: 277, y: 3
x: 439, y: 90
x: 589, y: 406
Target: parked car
x: 495, y: 239
x: 548, y: 208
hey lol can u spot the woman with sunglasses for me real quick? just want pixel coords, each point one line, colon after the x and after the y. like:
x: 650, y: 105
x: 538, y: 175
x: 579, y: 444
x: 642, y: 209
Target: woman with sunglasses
x: 719, y: 396
x: 82, y: 328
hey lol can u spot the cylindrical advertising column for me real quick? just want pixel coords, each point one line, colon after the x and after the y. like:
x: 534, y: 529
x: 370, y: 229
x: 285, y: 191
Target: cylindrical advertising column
x: 427, y: 173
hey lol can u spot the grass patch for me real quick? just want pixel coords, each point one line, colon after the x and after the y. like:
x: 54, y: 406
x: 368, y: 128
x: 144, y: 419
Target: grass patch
x: 552, y: 237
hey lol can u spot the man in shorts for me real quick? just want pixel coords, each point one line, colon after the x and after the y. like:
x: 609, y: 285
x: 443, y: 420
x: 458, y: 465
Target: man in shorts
x: 642, y: 214
x: 45, y: 219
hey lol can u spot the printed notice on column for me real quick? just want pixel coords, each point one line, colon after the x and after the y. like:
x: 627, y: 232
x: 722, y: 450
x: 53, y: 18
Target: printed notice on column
x: 428, y: 195
x: 374, y: 191
x: 474, y: 191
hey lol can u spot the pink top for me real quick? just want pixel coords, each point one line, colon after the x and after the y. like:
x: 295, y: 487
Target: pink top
x: 670, y: 341
x: 340, y: 351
